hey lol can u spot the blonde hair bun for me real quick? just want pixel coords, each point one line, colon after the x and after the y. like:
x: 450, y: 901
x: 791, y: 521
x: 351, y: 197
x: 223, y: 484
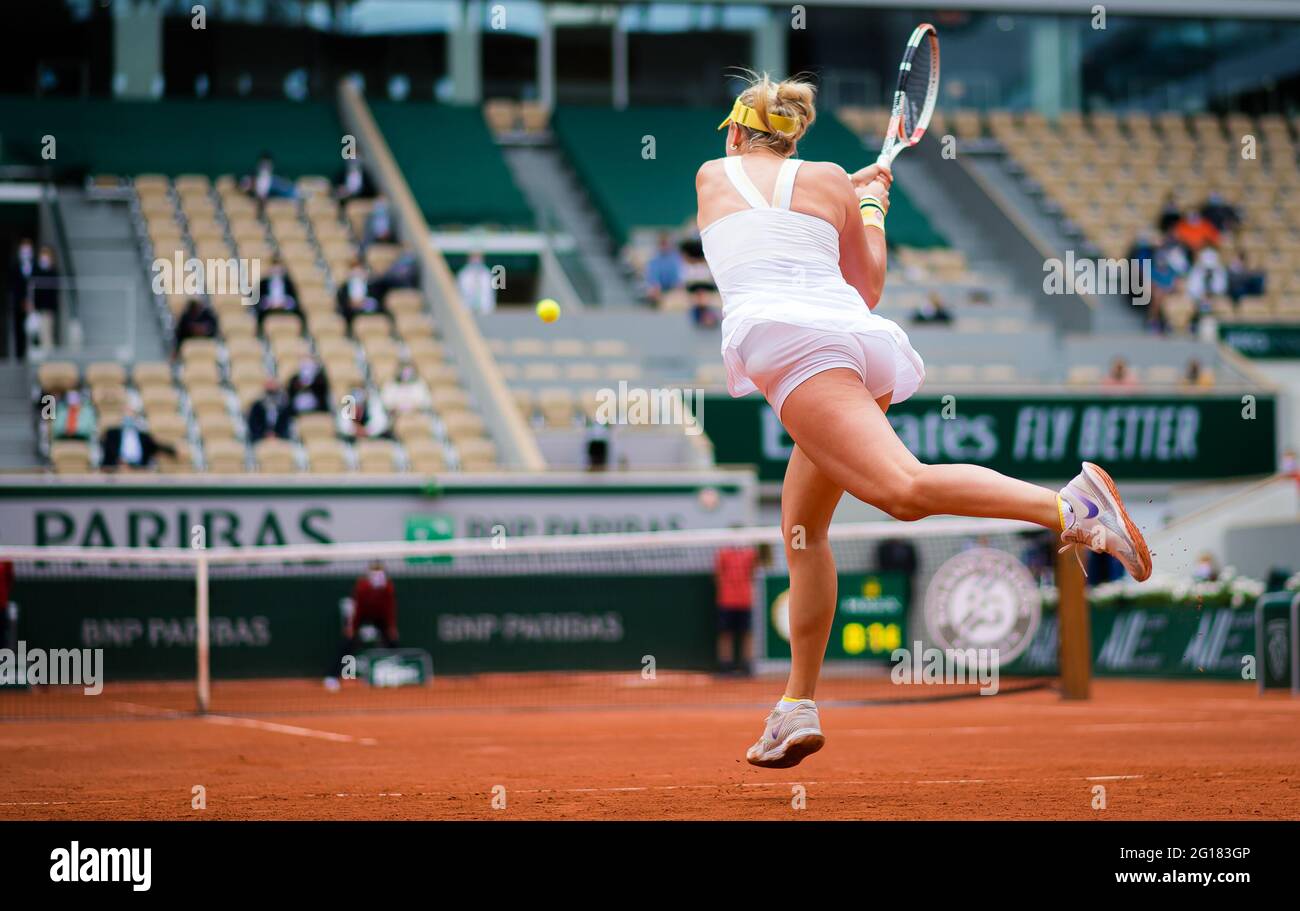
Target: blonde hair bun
x: 794, y: 98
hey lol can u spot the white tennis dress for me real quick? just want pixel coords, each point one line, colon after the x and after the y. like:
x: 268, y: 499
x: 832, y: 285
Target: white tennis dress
x: 787, y: 312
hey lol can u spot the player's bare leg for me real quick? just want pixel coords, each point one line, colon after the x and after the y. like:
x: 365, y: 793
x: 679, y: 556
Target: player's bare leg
x: 844, y: 431
x: 808, y: 501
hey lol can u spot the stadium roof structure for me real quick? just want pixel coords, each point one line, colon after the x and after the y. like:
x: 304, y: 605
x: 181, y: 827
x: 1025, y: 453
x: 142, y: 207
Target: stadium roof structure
x: 1240, y: 9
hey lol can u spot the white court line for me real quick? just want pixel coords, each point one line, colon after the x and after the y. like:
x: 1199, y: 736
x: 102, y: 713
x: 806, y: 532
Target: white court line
x: 1065, y: 727
x: 290, y: 729
x: 832, y: 781
x: 136, y: 708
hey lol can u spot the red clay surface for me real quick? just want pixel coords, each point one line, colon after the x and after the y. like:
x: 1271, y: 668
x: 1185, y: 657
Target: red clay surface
x: 1161, y: 750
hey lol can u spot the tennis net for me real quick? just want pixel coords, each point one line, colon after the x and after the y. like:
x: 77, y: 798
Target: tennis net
x: 583, y: 620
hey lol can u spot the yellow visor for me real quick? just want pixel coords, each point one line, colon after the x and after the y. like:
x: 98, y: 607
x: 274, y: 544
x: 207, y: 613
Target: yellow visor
x: 746, y: 116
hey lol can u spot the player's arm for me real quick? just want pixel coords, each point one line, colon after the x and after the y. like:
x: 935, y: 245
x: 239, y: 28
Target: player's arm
x: 863, y: 252
x: 702, y: 178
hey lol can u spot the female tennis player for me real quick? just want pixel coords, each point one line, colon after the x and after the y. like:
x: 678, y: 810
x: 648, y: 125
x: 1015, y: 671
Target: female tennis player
x: 798, y: 252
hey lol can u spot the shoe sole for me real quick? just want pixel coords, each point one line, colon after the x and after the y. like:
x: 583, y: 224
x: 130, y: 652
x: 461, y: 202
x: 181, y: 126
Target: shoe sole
x: 792, y: 751
x: 1139, y: 542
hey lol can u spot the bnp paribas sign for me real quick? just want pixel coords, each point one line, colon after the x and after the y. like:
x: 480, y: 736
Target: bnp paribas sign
x: 1041, y: 437
x: 163, y: 510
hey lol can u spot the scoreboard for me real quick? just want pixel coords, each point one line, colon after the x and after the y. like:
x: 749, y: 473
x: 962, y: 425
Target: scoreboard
x: 870, y: 617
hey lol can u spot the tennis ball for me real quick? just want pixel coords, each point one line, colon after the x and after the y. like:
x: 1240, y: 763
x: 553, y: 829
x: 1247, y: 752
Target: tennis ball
x: 548, y: 311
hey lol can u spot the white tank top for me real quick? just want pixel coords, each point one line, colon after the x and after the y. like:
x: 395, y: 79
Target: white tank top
x: 772, y: 263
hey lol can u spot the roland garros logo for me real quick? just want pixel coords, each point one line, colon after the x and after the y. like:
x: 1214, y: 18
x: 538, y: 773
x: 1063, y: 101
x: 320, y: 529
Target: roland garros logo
x: 986, y: 600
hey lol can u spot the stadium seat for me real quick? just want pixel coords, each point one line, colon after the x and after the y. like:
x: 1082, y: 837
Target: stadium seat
x: 556, y: 406
x: 502, y: 115
x: 461, y: 425
x: 376, y: 457
x: 476, y: 455
x: 326, y: 457
x: 105, y: 373
x: 147, y: 374
x: 315, y: 426
x: 275, y: 457
x: 424, y: 456
x: 413, y: 426
x: 70, y: 457
x: 224, y: 456
x: 57, y: 377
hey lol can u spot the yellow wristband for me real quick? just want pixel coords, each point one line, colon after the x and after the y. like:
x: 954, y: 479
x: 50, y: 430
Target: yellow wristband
x: 873, y: 217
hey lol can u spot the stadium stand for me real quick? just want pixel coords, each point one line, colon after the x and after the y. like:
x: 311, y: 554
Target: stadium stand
x: 198, y: 405
x: 466, y: 182
x: 173, y: 136
x: 1164, y: 167
x: 611, y: 152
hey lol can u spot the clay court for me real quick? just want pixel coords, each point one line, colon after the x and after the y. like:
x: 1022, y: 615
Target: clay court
x: 1161, y: 750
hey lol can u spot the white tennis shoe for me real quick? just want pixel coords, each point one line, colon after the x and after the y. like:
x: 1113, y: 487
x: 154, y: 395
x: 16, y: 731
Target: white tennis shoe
x: 788, y: 737
x: 1101, y: 523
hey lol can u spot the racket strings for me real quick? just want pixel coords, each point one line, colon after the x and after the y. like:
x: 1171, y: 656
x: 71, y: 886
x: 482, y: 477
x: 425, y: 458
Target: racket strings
x: 916, y: 85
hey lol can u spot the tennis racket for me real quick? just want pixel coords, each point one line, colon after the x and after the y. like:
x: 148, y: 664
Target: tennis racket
x: 918, y: 87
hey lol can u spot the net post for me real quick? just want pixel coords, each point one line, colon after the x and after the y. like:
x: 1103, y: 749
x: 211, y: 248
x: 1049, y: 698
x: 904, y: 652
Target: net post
x: 1075, y: 645
x: 203, y: 677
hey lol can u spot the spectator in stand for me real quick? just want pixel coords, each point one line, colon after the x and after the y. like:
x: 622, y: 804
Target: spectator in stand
x: 353, y: 182
x: 1195, y: 232
x: 130, y: 444
x: 1243, y: 280
x: 1175, y: 253
x: 403, y: 273
x: 666, y: 270
x: 932, y: 310
x: 308, y: 390
x: 1170, y: 214
x: 374, y: 604
x: 21, y: 271
x: 477, y: 289
x: 1144, y: 247
x: 1220, y: 213
x: 406, y: 393
x: 379, y: 224
x: 597, y: 439
x: 44, y: 287
x: 1141, y: 257
x: 1196, y: 376
x: 1120, y: 376
x: 354, y: 297
x: 1206, y: 568
x: 74, y: 419
x: 276, y: 293
x: 264, y: 183
x: 1207, y: 279
x: 699, y: 284
x: 271, y: 416
x: 196, y: 321
x: 1290, y: 463
x: 362, y: 418
x: 1165, y: 283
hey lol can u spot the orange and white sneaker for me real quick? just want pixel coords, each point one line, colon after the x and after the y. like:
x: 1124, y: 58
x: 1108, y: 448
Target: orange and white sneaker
x: 788, y: 736
x: 1096, y: 518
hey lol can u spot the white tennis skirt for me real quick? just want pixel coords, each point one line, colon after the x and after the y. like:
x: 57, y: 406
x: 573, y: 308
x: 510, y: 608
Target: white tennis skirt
x: 775, y: 358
